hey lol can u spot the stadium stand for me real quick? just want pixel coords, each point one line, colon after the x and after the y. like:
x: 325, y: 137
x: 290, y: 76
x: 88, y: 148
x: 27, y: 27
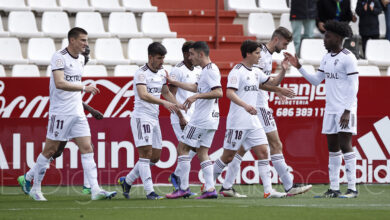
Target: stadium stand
x: 243, y: 6
x: 261, y: 25
x: 369, y: 71
x: 382, y: 25
x: 139, y: 6
x: 40, y: 50
x: 43, y: 5
x: 274, y: 6
x: 55, y: 24
x: 107, y: 6
x: 75, y: 5
x: 95, y: 71
x: 174, y: 54
x: 108, y: 51
x: 123, y: 25
x: 293, y: 72
x: 25, y: 70
x: 11, y: 51
x: 13, y: 5
x: 285, y: 21
x: 137, y: 50
x: 92, y: 22
x: 312, y: 51
x: 23, y: 24
x: 125, y: 70
x: 378, y: 52
x: 2, y: 71
x: 2, y: 32
x: 156, y: 25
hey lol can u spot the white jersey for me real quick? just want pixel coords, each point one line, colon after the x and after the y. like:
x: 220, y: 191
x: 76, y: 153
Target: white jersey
x: 265, y: 64
x: 206, y: 113
x: 182, y: 74
x: 154, y: 82
x: 337, y: 69
x: 66, y: 102
x: 246, y: 83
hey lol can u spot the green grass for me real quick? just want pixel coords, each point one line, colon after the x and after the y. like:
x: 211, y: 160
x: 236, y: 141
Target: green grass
x: 68, y: 203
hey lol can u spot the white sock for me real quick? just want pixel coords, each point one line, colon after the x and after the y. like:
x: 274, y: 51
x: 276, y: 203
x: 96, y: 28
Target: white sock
x: 133, y: 174
x: 207, y: 169
x: 146, y: 174
x: 39, y: 172
x: 30, y: 173
x: 334, y: 165
x: 90, y: 171
x: 281, y: 167
x: 265, y: 174
x: 232, y: 171
x: 218, y: 167
x: 86, y: 182
x: 192, y: 154
x: 184, y: 164
x: 350, y: 167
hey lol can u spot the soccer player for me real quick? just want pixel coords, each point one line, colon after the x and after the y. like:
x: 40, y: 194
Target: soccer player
x: 66, y: 115
x: 200, y: 130
x: 243, y: 127
x: 339, y: 69
x: 186, y: 72
x: 279, y: 41
x: 150, y: 84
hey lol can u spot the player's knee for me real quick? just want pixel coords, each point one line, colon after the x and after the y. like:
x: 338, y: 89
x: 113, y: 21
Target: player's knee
x: 276, y: 147
x: 262, y: 154
x: 155, y: 159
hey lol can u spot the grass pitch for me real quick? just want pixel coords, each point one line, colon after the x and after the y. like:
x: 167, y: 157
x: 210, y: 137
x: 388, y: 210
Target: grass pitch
x: 68, y: 203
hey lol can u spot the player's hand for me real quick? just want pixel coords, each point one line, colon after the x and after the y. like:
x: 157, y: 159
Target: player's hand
x: 282, y: 98
x: 92, y: 89
x: 182, y: 122
x: 344, y: 120
x: 285, y: 64
x: 190, y: 100
x: 287, y: 92
x: 294, y: 61
x: 250, y: 109
x: 321, y: 26
x: 170, y: 106
x: 169, y: 78
x: 96, y: 114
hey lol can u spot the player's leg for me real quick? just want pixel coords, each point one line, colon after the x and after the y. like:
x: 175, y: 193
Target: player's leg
x: 345, y: 140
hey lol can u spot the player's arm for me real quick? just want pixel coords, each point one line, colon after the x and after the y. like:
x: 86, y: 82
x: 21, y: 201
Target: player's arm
x: 275, y: 81
x: 215, y: 93
x: 145, y: 96
x: 95, y: 113
x: 192, y: 87
x: 314, y: 79
x: 62, y: 84
x: 231, y: 94
x: 277, y: 89
x: 351, y: 91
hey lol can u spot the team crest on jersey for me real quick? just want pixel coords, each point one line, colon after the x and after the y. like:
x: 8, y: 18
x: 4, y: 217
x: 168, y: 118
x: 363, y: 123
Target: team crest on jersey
x: 248, y: 78
x: 233, y: 144
x: 141, y: 77
x: 59, y: 63
x: 188, y: 76
x: 336, y: 61
x: 147, y: 138
x: 56, y: 134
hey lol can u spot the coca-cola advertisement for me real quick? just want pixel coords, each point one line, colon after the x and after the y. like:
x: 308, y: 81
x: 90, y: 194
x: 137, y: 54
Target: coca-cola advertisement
x: 24, y: 108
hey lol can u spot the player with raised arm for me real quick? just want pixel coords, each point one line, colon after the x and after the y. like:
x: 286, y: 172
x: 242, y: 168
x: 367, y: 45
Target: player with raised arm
x: 243, y: 127
x: 66, y: 115
x: 339, y: 69
x: 199, y: 132
x: 150, y: 84
x: 279, y: 41
x: 186, y: 72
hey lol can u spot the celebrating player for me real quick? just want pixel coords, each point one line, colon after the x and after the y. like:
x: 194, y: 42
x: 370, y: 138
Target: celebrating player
x: 150, y: 85
x: 200, y: 130
x: 339, y: 69
x: 66, y: 116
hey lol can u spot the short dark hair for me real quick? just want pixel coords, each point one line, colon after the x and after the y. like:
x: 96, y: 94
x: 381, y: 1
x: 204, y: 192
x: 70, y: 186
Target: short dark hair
x: 156, y: 48
x: 340, y: 28
x: 248, y: 46
x: 282, y: 32
x: 186, y: 46
x: 201, y: 46
x: 75, y: 32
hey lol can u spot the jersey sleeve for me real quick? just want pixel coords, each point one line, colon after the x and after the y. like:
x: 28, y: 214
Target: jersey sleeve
x: 351, y: 66
x: 214, y: 79
x: 353, y: 82
x: 140, y: 78
x: 233, y: 79
x: 57, y: 62
x: 262, y: 77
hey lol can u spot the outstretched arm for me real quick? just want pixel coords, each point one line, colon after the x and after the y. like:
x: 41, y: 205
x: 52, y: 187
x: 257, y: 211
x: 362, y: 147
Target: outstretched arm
x: 192, y: 87
x: 314, y: 79
x: 231, y: 94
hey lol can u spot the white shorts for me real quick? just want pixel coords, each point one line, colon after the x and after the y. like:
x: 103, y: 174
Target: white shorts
x: 247, y: 138
x: 66, y: 127
x: 266, y: 119
x: 330, y: 124
x: 196, y: 137
x: 178, y: 131
x: 146, y: 132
